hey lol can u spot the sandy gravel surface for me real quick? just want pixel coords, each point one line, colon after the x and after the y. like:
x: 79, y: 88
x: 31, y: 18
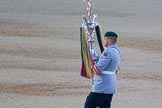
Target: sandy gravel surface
x: 40, y: 52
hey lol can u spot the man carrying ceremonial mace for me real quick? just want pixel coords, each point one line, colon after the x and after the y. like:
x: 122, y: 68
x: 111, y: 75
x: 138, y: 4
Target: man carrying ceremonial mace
x: 102, y: 69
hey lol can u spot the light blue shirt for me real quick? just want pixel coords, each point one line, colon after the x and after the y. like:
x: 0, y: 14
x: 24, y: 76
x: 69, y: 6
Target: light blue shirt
x: 109, y: 60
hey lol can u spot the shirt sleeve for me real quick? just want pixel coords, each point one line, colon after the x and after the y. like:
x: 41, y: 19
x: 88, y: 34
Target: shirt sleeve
x: 104, y: 61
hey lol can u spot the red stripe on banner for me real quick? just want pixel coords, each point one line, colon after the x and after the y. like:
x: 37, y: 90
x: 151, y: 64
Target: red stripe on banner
x: 83, y: 72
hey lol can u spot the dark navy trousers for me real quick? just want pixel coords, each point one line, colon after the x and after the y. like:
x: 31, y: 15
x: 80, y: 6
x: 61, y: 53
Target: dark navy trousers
x: 98, y: 100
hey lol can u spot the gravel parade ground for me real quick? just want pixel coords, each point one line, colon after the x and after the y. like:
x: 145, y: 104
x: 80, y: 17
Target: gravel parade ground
x: 40, y: 57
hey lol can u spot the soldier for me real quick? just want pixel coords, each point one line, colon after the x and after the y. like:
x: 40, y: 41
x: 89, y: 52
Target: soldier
x: 105, y: 84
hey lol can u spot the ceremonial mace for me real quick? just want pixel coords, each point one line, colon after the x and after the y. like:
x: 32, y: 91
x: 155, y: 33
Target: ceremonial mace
x: 90, y: 25
x: 89, y: 29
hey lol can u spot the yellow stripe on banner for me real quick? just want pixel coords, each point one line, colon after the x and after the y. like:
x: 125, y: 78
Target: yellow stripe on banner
x: 86, y: 56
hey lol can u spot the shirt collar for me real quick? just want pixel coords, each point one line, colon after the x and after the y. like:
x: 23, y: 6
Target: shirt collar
x: 112, y: 46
